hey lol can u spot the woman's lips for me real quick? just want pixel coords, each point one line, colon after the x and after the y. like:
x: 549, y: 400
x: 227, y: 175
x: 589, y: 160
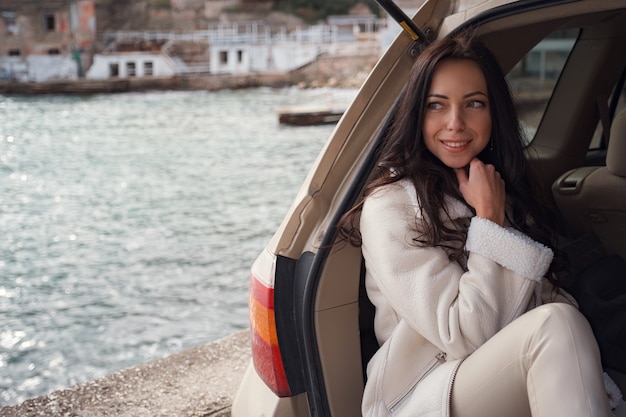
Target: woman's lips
x: 456, y: 145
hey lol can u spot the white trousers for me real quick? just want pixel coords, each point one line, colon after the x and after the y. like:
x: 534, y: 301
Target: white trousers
x: 546, y: 363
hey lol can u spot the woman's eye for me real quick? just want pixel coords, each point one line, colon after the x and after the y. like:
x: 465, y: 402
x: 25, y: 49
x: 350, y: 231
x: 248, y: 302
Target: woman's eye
x: 476, y: 104
x: 434, y: 105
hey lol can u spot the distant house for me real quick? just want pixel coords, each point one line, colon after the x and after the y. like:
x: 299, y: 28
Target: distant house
x: 136, y: 58
x: 131, y: 64
x: 44, y: 40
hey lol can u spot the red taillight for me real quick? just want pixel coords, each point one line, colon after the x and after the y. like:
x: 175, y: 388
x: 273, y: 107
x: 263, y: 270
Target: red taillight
x: 265, y: 351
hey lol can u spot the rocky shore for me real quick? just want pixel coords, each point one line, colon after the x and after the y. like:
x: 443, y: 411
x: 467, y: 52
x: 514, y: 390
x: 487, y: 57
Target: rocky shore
x: 198, y: 382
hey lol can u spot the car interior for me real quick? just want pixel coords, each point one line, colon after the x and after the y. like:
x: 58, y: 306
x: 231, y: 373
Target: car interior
x: 578, y: 147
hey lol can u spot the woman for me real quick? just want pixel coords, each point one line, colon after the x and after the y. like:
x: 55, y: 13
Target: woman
x: 458, y: 259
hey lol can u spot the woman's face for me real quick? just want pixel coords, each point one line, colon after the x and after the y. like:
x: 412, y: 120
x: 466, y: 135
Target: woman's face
x: 457, y: 119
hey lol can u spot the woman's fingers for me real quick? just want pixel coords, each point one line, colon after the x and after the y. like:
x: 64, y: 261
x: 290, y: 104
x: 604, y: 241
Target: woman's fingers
x: 483, y: 188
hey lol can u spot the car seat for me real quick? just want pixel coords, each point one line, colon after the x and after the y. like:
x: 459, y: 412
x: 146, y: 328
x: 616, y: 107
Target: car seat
x: 592, y: 200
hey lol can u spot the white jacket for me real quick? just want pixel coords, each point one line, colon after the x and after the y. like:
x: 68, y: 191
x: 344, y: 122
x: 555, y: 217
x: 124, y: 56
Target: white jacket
x: 432, y: 312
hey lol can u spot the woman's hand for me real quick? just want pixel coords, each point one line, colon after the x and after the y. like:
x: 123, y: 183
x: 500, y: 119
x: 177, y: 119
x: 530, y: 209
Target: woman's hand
x: 483, y: 189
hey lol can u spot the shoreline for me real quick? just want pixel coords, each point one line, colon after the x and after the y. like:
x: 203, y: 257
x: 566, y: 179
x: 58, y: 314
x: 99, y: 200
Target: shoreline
x: 125, y: 85
x: 196, y: 382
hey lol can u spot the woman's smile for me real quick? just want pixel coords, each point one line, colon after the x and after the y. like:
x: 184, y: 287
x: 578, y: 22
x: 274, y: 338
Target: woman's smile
x: 455, y: 145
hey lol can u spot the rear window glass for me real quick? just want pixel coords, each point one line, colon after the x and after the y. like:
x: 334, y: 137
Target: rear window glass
x: 533, y: 79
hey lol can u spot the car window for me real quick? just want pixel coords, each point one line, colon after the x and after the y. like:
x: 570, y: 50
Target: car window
x: 533, y: 79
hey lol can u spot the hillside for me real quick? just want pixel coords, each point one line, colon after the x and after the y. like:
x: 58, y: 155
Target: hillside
x: 181, y: 15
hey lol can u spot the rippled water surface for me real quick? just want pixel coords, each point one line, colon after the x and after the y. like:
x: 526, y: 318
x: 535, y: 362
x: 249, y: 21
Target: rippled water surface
x: 129, y: 222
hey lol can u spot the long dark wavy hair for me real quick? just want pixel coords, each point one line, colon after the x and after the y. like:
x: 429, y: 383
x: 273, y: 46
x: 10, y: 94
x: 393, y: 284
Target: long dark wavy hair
x: 403, y: 155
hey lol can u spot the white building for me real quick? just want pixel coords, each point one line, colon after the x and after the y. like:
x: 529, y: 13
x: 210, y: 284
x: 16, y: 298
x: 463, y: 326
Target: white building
x: 131, y: 64
x: 38, y: 68
x: 243, y: 59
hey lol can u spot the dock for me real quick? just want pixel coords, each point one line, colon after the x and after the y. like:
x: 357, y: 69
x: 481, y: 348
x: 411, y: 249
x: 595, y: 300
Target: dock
x: 309, y: 115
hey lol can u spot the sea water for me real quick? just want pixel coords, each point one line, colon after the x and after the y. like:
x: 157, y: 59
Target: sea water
x: 129, y: 222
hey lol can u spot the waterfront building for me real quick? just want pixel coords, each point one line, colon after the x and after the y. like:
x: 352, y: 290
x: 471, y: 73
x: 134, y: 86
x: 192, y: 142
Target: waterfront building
x: 45, y: 39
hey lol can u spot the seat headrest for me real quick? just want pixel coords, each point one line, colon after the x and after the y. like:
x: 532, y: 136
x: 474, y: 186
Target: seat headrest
x: 616, y: 152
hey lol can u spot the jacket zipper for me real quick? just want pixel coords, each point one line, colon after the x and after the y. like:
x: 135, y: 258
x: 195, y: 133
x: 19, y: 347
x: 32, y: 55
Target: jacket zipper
x: 439, y: 358
x: 449, y: 398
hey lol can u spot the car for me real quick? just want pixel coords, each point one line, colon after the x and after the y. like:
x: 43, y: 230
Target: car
x: 311, y: 323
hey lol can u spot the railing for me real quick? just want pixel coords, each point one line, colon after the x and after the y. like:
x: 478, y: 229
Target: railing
x: 250, y: 33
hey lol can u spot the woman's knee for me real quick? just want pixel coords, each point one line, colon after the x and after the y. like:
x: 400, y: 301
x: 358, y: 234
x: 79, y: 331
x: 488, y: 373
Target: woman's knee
x: 561, y: 313
x: 560, y: 321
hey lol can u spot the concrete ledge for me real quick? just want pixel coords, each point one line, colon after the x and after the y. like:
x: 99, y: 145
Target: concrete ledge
x: 198, y: 382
